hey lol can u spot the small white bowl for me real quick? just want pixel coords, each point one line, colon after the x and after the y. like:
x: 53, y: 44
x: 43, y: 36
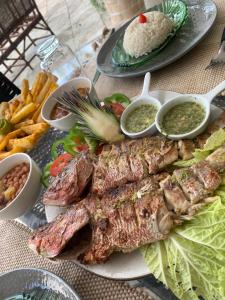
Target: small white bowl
x: 67, y: 122
x: 27, y: 197
x: 204, y: 100
x: 144, y: 98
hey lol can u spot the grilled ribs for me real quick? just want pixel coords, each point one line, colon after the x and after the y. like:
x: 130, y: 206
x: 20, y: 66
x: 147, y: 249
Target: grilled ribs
x: 70, y: 183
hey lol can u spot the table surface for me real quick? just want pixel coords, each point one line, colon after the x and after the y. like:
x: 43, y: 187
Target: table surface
x: 187, y: 75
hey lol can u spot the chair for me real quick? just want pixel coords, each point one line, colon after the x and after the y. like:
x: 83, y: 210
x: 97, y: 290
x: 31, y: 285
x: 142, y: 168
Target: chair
x: 7, y: 89
x: 17, y: 19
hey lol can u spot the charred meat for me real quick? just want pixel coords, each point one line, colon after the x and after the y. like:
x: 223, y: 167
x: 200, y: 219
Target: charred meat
x: 122, y: 220
x: 51, y: 239
x: 70, y: 184
x: 131, y: 161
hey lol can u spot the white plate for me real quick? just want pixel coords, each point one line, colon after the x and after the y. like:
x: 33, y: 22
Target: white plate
x: 127, y: 266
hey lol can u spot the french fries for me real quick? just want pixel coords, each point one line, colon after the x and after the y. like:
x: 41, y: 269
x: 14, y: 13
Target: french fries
x: 24, y: 90
x: 35, y: 128
x: 24, y: 114
x: 9, y: 136
x: 27, y: 142
x: 21, y: 114
x: 5, y: 154
x: 23, y: 124
x: 29, y: 98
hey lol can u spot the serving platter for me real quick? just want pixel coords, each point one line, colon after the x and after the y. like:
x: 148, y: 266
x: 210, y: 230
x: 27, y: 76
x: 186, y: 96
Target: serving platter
x: 201, y: 17
x: 127, y: 266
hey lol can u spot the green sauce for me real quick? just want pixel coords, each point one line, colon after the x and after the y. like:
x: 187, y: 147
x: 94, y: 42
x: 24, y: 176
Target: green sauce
x: 183, y: 118
x: 141, y: 118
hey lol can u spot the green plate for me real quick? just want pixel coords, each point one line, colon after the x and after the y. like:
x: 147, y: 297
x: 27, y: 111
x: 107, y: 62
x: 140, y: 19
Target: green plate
x: 176, y: 10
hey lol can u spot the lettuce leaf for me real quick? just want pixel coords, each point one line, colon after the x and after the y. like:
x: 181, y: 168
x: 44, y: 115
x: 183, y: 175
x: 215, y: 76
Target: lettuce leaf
x: 216, y: 140
x: 191, y: 262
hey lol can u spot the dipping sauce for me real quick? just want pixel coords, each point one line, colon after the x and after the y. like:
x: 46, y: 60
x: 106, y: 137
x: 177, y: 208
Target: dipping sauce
x: 141, y: 118
x: 12, y: 183
x: 183, y: 118
x: 59, y: 111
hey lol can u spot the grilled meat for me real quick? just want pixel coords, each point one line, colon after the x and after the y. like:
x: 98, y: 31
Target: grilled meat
x: 127, y: 218
x: 186, y: 147
x: 217, y: 159
x: 191, y: 186
x: 69, y: 185
x: 51, y: 239
x: 174, y: 196
x: 122, y: 220
x: 206, y: 175
x: 132, y: 215
x: 131, y: 161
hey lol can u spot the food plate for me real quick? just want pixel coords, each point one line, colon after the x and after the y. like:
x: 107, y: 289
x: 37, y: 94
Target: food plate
x: 176, y: 11
x: 37, y: 283
x: 201, y: 17
x: 125, y: 266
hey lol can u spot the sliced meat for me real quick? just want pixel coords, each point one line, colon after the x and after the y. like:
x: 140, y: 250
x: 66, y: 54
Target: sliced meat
x: 207, y: 175
x: 70, y: 184
x: 175, y: 198
x: 52, y: 238
x: 190, y: 185
x: 161, y: 154
x: 217, y: 159
x: 186, y: 147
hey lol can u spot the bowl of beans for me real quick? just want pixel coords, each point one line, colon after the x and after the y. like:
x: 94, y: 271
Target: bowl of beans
x: 57, y: 115
x: 19, y: 185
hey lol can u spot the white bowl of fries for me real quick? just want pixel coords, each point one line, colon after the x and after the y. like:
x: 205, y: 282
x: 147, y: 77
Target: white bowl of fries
x: 27, y: 196
x: 65, y: 123
x: 23, y: 114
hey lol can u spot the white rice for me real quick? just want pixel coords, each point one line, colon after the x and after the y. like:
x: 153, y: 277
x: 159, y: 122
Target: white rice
x: 142, y: 38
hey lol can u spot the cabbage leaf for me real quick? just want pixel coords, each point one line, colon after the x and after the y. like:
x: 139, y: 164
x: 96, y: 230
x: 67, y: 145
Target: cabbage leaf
x: 216, y: 140
x: 191, y: 262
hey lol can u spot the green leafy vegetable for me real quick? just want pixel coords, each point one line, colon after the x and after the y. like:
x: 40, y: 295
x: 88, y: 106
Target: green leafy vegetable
x: 118, y: 98
x: 46, y: 174
x: 216, y: 140
x: 191, y: 262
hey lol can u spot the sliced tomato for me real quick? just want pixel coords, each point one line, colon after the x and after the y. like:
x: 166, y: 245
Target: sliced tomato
x: 117, y: 109
x: 82, y: 147
x: 59, y: 163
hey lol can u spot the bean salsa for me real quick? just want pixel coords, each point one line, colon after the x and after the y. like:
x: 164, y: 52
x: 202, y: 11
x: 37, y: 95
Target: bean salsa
x: 12, y: 183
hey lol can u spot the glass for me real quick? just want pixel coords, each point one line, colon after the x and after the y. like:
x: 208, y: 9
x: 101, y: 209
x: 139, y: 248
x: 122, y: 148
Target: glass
x: 121, y: 11
x: 59, y: 59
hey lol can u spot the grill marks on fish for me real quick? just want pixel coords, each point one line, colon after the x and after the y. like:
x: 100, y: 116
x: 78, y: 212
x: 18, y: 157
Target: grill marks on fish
x: 130, y: 216
x: 52, y: 238
x: 132, y: 161
x: 68, y: 186
x: 132, y: 220
x: 206, y: 175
